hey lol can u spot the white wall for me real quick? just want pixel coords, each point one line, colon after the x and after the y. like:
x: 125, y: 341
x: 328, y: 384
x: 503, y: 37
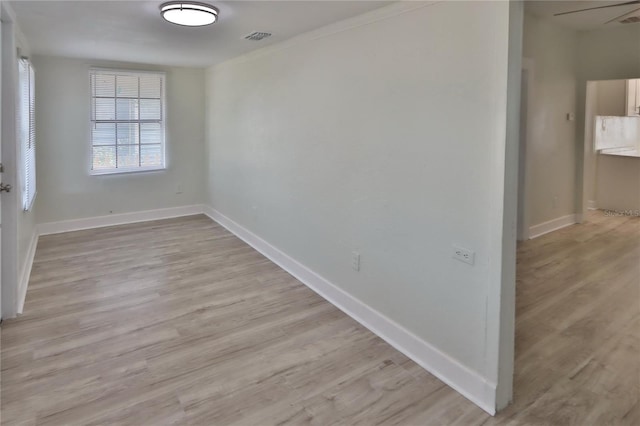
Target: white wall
x: 611, y: 97
x: 609, y: 54
x: 551, y: 147
x: 386, y: 138
x: 65, y: 188
x: 618, y: 183
x: 605, y: 54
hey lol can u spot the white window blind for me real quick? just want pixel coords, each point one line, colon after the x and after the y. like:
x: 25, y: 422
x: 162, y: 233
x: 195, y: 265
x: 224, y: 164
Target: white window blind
x: 27, y: 126
x: 127, y: 121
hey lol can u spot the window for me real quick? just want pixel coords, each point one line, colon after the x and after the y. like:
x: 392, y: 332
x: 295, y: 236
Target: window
x: 27, y: 132
x: 127, y: 121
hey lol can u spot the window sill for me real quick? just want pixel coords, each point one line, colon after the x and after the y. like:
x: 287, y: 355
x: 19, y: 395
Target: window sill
x: 125, y: 171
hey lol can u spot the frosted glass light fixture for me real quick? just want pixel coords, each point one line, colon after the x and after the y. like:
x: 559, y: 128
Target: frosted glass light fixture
x: 190, y: 14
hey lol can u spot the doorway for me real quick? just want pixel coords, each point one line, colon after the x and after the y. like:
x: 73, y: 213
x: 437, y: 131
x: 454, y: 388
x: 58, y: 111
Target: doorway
x: 611, y: 172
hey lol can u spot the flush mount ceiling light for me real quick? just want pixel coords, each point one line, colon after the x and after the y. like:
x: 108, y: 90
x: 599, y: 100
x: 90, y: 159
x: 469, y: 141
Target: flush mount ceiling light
x: 190, y: 14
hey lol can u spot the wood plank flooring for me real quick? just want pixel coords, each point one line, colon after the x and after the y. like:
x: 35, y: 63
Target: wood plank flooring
x: 578, y: 326
x: 179, y: 322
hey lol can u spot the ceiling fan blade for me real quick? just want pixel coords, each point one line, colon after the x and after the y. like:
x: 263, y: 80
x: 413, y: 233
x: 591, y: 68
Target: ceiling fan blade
x: 599, y: 7
x: 624, y: 14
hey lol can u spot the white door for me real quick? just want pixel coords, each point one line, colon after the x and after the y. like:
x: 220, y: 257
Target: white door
x: 1, y: 168
x: 2, y: 188
x: 8, y: 146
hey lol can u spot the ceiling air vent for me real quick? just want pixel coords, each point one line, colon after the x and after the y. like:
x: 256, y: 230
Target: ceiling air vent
x: 630, y: 20
x: 256, y: 36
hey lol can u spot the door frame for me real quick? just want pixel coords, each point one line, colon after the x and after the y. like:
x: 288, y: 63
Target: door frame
x: 590, y: 106
x: 524, y: 166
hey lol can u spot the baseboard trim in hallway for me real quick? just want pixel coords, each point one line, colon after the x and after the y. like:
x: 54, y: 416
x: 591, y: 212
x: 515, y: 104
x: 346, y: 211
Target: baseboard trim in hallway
x: 552, y: 225
x: 465, y: 381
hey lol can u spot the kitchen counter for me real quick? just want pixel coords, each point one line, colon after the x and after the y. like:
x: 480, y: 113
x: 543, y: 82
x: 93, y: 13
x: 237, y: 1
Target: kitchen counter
x: 621, y: 152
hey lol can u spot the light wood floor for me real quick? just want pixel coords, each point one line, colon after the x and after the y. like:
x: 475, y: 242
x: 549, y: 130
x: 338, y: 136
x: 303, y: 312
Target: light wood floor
x: 578, y: 326
x: 179, y: 322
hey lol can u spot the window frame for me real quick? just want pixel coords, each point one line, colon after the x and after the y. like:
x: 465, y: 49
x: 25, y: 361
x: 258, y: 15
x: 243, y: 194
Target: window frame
x: 163, y: 111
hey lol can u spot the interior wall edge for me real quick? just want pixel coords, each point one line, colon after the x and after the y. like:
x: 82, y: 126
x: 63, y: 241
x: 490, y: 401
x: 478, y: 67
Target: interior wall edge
x: 502, y: 334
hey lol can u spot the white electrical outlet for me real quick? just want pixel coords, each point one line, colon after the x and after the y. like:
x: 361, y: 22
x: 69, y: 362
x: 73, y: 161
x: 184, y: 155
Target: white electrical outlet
x: 464, y: 255
x: 355, y: 261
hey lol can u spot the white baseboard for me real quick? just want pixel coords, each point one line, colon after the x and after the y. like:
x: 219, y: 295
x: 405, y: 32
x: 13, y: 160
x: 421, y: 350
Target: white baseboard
x: 467, y: 382
x: 552, y: 225
x: 25, y: 274
x: 591, y: 205
x: 117, y: 219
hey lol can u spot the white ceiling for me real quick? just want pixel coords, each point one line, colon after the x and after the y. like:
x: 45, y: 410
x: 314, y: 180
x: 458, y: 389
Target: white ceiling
x: 133, y: 31
x: 589, y: 20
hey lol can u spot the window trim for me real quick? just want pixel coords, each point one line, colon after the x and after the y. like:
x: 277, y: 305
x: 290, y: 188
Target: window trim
x: 163, y: 112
